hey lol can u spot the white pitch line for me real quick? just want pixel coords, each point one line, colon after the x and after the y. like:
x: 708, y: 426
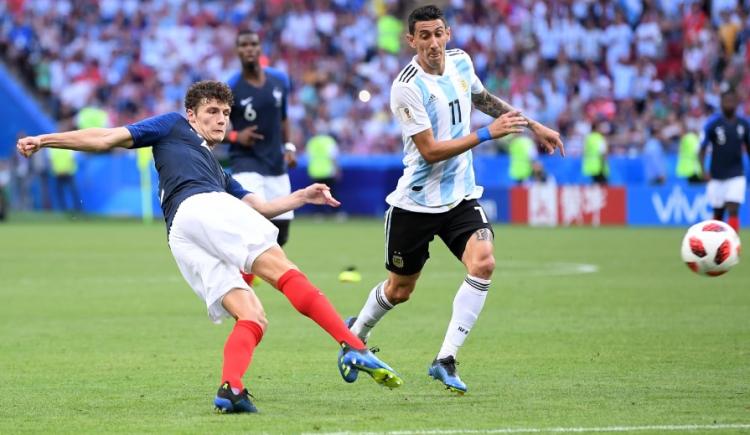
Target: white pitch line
x: 513, y: 430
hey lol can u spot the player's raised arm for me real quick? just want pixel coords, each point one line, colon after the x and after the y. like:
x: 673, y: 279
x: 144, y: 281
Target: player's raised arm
x: 313, y: 194
x: 496, y: 107
x: 434, y: 151
x: 88, y: 139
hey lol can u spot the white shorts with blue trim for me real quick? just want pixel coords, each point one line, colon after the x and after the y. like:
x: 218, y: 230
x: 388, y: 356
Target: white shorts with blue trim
x: 213, y: 237
x: 720, y: 192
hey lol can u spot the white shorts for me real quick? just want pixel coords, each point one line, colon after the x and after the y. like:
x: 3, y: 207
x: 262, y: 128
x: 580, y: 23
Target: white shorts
x: 213, y: 237
x: 267, y: 187
x: 720, y: 192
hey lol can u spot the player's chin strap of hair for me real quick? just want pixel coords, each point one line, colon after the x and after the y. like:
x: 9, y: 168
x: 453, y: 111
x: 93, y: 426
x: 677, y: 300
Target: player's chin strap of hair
x: 232, y: 136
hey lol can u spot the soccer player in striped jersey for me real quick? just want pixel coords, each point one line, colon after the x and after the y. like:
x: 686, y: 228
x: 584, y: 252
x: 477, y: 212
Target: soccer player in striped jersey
x: 216, y: 228
x: 437, y: 193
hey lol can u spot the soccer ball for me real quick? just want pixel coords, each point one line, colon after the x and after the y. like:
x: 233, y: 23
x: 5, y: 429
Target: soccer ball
x: 711, y: 248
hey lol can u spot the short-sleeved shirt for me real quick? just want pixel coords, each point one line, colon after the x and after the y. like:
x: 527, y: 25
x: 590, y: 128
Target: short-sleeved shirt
x: 266, y: 108
x: 726, y: 138
x: 421, y: 101
x: 185, y: 163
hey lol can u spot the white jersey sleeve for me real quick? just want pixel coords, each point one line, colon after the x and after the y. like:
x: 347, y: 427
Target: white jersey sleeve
x: 476, y: 84
x: 409, y: 110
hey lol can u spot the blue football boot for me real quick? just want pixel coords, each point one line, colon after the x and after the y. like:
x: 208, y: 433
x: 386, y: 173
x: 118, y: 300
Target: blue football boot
x: 351, y: 361
x: 444, y: 370
x: 228, y: 402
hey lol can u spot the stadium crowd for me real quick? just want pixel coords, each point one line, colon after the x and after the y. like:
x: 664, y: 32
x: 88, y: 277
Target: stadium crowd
x: 645, y: 69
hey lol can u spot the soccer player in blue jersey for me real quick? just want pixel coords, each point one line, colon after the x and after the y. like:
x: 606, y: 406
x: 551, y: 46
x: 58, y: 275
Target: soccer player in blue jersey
x: 437, y: 195
x: 724, y: 135
x: 260, y: 148
x: 216, y: 228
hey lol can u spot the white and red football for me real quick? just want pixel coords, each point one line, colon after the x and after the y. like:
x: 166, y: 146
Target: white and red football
x: 711, y: 248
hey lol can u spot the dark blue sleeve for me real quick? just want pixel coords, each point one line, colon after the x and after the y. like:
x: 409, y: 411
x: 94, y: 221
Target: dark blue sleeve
x: 147, y: 132
x: 233, y: 187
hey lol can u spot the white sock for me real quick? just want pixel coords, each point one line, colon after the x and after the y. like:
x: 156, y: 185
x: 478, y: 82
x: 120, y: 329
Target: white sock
x: 467, y: 305
x: 375, y: 308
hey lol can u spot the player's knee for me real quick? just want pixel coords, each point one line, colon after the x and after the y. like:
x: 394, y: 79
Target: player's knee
x: 262, y: 321
x: 399, y: 292
x: 254, y: 315
x: 483, y: 267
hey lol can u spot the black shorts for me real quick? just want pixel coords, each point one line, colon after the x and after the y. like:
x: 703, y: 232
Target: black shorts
x: 408, y: 234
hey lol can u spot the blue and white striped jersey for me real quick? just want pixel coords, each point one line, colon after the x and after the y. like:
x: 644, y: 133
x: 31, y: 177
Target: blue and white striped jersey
x: 443, y: 103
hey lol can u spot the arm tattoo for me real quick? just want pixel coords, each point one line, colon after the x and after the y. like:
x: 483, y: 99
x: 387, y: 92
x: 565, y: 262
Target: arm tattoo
x: 490, y: 104
x: 484, y: 234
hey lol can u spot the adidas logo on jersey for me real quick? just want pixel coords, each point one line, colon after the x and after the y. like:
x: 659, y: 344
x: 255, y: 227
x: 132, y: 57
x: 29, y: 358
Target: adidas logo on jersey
x: 432, y: 99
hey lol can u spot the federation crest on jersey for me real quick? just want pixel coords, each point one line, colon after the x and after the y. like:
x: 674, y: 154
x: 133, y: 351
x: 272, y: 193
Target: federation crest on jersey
x: 406, y: 114
x: 397, y: 261
x: 464, y: 85
x: 277, y: 94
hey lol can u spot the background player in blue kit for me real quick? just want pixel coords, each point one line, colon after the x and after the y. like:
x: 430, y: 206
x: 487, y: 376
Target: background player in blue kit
x: 260, y: 143
x: 216, y: 228
x: 724, y: 134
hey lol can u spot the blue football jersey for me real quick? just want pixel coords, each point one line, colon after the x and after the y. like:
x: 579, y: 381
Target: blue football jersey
x: 264, y: 107
x: 726, y: 138
x: 185, y: 164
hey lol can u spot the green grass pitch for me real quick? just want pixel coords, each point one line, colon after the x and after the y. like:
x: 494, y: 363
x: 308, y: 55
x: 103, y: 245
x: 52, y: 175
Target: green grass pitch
x: 99, y: 333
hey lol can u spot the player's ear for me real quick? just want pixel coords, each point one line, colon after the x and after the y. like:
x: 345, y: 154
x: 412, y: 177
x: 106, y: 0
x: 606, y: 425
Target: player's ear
x: 190, y: 115
x: 410, y: 40
x: 447, y: 34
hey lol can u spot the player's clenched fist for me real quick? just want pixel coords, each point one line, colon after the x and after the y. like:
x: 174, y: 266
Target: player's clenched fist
x: 28, y: 145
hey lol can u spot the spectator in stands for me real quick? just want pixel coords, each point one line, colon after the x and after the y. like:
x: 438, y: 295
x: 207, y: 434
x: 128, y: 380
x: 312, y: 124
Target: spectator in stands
x: 139, y: 50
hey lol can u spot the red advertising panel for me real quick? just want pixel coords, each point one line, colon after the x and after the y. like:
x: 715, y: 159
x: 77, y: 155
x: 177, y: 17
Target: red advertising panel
x: 547, y: 204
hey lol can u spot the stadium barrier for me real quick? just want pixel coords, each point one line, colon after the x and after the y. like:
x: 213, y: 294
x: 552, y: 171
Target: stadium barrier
x: 109, y: 185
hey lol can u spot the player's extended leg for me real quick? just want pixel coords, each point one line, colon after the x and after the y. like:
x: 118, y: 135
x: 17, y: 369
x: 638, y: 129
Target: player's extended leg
x: 274, y: 267
x: 245, y: 307
x: 467, y: 305
x: 733, y: 210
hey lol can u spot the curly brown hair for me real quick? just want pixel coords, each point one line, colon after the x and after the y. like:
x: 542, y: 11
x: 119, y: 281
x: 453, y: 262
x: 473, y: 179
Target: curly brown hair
x: 205, y: 91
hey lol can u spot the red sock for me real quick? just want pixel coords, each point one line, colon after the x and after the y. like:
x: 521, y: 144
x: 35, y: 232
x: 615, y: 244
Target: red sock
x: 238, y: 351
x: 248, y: 277
x: 734, y: 222
x: 309, y: 301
